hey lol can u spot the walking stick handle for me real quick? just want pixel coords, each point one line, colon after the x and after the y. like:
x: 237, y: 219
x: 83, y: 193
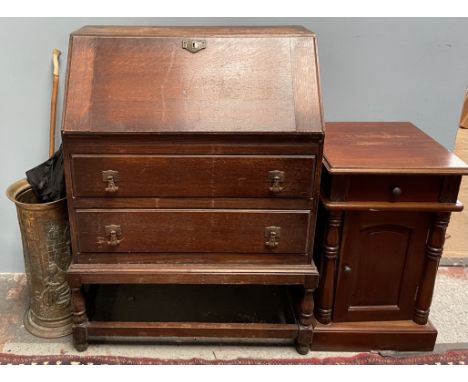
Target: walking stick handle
x: 55, y: 56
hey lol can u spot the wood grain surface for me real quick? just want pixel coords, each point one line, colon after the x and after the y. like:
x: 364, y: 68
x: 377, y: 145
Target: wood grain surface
x: 248, y: 84
x: 234, y: 231
x: 264, y: 274
x: 404, y: 335
x: 381, y: 262
x: 205, y: 31
x: 386, y: 147
x: 193, y: 176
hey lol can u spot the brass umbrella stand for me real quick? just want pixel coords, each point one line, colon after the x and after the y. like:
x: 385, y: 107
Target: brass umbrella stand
x: 45, y: 237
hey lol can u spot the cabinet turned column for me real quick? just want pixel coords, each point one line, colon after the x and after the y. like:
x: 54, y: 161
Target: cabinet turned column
x: 80, y: 320
x: 434, y: 249
x: 330, y: 250
x: 306, y: 318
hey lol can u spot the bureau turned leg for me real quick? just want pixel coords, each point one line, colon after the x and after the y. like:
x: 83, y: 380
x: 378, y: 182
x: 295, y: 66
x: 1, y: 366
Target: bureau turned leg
x: 80, y: 320
x: 306, y: 318
x: 434, y: 249
x: 330, y: 250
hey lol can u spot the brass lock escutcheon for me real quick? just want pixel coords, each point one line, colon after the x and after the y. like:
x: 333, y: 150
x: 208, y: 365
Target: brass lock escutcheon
x: 111, y: 177
x: 276, y: 179
x: 194, y: 46
x: 272, y: 234
x: 114, y: 234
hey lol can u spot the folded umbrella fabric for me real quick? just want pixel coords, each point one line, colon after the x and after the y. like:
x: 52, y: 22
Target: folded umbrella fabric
x: 47, y: 179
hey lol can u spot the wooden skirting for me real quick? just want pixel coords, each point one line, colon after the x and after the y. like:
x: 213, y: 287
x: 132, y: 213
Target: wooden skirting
x: 374, y: 335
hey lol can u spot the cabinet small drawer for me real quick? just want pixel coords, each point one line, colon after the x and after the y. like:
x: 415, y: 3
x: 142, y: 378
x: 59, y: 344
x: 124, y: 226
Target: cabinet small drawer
x: 193, y: 231
x: 395, y: 188
x: 192, y: 176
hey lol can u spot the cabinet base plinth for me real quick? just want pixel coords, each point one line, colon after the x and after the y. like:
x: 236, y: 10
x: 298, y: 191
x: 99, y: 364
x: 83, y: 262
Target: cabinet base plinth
x: 374, y: 335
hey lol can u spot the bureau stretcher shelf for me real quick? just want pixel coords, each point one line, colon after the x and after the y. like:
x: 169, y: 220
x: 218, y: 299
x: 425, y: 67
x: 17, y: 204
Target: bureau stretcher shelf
x: 229, y: 311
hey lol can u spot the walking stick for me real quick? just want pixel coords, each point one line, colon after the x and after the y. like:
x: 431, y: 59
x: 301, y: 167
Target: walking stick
x: 53, y: 103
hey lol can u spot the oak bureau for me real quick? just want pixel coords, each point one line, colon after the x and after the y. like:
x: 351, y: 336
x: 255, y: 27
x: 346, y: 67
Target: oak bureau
x: 192, y: 157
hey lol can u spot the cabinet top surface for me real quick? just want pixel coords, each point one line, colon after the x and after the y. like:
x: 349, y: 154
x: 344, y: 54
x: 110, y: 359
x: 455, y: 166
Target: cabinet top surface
x: 386, y: 148
x: 209, y: 31
x: 192, y: 80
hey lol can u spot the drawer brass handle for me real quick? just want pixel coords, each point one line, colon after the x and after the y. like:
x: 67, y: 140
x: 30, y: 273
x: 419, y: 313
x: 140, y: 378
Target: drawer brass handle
x: 272, y: 233
x: 113, y: 232
x: 276, y: 178
x: 396, y: 192
x: 111, y: 177
x: 347, y: 269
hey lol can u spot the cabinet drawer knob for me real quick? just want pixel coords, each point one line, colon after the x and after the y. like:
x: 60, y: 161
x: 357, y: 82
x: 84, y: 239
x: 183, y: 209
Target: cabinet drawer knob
x: 347, y: 269
x: 276, y: 179
x: 113, y: 233
x: 110, y: 177
x: 396, y: 192
x: 272, y: 234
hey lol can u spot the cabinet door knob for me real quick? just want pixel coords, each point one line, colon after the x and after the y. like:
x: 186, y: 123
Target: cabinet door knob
x: 396, y: 192
x: 347, y: 269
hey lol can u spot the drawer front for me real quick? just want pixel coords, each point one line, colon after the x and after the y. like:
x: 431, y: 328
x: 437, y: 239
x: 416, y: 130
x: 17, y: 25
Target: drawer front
x: 395, y: 188
x: 192, y: 176
x: 189, y: 231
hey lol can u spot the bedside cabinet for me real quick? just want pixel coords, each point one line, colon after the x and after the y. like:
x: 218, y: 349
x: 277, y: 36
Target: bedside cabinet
x: 192, y: 158
x: 387, y: 194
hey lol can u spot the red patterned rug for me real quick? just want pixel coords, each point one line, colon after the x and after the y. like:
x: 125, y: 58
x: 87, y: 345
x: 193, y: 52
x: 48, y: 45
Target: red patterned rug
x: 452, y: 357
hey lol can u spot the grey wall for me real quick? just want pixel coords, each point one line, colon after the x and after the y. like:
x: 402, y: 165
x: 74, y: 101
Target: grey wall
x: 371, y: 69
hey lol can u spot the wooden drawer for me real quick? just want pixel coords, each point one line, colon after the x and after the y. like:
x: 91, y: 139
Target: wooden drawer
x: 193, y: 176
x: 202, y: 231
x: 395, y: 188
